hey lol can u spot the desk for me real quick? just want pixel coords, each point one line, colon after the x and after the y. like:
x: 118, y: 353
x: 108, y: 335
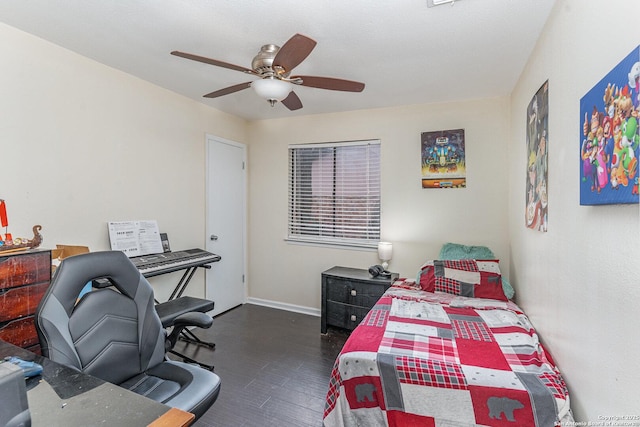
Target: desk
x: 63, y: 397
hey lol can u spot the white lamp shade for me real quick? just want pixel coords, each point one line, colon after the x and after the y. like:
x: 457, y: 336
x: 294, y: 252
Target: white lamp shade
x: 272, y: 88
x: 385, y: 251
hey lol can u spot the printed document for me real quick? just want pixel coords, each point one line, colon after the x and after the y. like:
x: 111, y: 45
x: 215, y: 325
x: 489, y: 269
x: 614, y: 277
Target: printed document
x: 135, y: 238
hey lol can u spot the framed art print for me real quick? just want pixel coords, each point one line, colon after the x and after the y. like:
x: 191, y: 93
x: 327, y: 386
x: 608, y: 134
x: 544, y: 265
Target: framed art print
x: 609, y: 136
x: 537, y: 203
x: 443, y: 159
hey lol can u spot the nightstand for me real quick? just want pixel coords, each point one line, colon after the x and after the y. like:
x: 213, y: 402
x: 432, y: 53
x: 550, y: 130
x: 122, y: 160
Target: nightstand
x: 348, y: 294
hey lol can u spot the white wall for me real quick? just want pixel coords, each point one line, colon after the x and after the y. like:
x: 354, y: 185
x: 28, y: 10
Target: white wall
x: 83, y: 144
x: 418, y: 221
x: 579, y: 282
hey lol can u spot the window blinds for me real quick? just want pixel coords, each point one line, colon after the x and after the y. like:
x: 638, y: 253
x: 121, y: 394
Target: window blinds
x: 334, y: 192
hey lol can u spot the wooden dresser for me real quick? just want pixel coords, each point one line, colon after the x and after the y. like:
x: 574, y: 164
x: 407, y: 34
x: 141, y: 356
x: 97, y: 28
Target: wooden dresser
x: 24, y: 279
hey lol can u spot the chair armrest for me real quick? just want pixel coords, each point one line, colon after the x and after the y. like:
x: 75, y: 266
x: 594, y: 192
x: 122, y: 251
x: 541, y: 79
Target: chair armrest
x: 168, y: 311
x: 200, y: 320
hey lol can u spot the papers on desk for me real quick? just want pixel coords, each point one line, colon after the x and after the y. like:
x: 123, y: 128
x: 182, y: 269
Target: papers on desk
x: 135, y: 238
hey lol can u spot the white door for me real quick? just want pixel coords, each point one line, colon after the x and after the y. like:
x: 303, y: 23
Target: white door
x: 225, y: 222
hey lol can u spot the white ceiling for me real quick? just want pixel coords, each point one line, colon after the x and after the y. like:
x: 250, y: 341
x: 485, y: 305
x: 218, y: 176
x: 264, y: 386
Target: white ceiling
x: 405, y: 52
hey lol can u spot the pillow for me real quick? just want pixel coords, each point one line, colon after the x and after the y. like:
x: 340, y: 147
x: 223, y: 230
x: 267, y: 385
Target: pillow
x: 508, y: 290
x: 458, y: 251
x: 453, y: 251
x: 465, y: 277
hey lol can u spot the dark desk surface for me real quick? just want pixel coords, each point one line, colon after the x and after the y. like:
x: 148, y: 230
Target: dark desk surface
x: 62, y: 396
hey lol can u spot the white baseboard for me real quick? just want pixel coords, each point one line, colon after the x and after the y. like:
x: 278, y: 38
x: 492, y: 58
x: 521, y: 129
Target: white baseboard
x: 285, y: 306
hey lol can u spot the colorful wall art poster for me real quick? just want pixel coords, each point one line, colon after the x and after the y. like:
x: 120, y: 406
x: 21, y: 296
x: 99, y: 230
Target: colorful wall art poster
x: 609, y: 136
x: 536, y: 208
x: 443, y: 159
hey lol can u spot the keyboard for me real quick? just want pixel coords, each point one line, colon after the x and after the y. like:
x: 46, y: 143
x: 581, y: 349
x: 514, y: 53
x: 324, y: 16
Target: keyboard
x: 154, y: 265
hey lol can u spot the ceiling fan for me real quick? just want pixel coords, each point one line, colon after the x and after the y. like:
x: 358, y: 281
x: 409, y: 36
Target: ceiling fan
x: 273, y: 66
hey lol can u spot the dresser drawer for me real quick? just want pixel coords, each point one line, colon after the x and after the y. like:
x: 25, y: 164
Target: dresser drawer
x: 20, y: 332
x: 345, y: 315
x: 22, y: 301
x: 354, y: 292
x: 24, y: 279
x: 24, y: 269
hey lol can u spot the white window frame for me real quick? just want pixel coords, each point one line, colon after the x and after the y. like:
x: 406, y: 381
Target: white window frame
x: 332, y: 229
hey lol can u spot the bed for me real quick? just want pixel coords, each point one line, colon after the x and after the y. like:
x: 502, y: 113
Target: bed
x: 447, y: 348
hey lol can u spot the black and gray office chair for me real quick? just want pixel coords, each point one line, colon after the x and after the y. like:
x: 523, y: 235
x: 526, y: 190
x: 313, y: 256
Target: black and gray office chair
x: 115, y: 334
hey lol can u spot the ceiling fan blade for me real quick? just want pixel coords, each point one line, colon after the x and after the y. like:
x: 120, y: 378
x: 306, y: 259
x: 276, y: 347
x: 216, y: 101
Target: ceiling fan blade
x: 212, y: 62
x: 293, y: 52
x: 292, y: 102
x: 228, y: 90
x: 330, y: 83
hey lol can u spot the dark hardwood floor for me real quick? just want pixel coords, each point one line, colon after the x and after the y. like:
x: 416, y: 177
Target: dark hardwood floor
x: 274, y: 366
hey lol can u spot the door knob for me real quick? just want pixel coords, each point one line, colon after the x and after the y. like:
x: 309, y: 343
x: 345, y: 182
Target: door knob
x: 213, y: 237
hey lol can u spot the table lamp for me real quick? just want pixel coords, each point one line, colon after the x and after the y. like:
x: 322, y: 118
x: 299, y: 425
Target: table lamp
x: 385, y: 251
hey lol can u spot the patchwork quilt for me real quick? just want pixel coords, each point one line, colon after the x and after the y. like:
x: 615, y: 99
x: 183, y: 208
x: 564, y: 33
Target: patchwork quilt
x: 435, y: 359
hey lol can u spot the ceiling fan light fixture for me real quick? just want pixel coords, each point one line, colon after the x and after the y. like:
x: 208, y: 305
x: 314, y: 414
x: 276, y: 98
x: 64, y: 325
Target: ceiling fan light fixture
x: 272, y: 89
x: 433, y: 3
x: 272, y: 66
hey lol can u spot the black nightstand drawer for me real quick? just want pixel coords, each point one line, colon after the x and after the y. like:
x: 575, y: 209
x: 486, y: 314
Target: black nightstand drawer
x: 354, y: 293
x: 348, y: 294
x: 345, y: 315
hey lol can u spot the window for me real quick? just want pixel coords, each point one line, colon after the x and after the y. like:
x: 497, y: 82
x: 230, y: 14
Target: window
x: 334, y: 193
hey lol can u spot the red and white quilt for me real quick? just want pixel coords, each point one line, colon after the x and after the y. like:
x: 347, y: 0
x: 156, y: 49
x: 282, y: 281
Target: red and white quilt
x: 435, y: 359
